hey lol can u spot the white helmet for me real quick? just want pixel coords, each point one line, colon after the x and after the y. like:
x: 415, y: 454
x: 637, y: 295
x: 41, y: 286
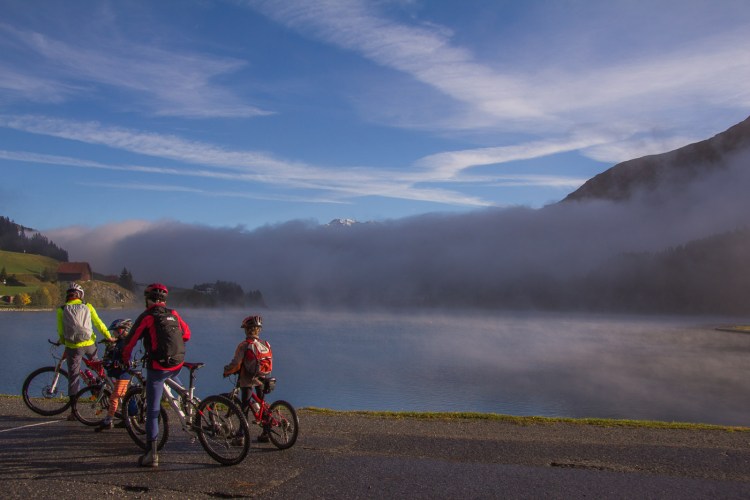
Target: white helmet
x: 74, y: 288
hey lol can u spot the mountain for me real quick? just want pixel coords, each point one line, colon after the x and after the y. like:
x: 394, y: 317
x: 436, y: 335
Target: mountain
x: 670, y: 170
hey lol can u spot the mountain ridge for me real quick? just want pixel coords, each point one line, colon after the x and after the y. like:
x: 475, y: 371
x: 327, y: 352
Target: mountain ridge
x: 674, y: 168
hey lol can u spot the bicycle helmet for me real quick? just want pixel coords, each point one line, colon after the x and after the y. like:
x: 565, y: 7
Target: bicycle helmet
x: 156, y: 292
x: 121, y: 324
x: 74, y: 290
x: 252, y: 321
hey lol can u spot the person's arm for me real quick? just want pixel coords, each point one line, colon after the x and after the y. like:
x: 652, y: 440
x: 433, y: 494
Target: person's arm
x: 131, y: 339
x: 183, y: 326
x: 99, y: 324
x: 236, y: 364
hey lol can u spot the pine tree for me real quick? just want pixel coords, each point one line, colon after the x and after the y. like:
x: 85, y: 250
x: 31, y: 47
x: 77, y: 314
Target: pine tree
x: 126, y: 280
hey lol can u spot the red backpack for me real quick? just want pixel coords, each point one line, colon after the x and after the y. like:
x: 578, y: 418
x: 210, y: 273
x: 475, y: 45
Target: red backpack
x: 258, y: 358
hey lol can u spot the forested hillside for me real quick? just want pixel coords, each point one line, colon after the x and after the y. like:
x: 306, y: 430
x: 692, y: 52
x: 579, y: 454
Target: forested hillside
x: 15, y: 238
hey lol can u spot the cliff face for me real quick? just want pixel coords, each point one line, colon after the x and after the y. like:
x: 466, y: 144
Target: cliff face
x: 668, y: 170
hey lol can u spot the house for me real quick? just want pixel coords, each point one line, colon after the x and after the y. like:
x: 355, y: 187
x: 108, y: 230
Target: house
x: 74, y: 271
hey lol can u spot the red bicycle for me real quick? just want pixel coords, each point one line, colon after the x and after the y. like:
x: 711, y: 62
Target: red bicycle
x: 278, y: 419
x: 45, y: 390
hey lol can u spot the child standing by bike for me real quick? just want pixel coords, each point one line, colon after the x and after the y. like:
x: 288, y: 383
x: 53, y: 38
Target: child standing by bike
x: 116, y: 369
x: 253, y: 360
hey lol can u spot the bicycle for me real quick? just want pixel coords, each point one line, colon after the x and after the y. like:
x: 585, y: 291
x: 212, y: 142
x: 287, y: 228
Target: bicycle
x: 216, y: 421
x: 45, y: 390
x: 278, y: 419
x: 92, y: 402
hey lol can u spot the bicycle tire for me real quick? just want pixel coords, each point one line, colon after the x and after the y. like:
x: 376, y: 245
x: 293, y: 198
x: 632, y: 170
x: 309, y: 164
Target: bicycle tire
x: 222, y: 430
x: 91, y: 404
x: 134, y: 416
x: 282, y: 424
x: 45, y: 393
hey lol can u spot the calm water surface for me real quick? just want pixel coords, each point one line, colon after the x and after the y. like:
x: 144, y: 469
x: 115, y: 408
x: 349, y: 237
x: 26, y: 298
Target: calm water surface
x: 676, y: 369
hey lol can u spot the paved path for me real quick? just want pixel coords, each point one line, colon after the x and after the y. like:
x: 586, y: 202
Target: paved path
x: 350, y: 456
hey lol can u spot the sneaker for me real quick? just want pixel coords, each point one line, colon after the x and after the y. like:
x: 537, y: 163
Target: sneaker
x: 71, y: 418
x: 263, y: 438
x: 104, y: 426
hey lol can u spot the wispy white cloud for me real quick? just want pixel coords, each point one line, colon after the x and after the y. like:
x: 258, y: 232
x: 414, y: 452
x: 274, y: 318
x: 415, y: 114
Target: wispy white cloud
x: 218, y: 163
x: 648, y: 89
x: 167, y: 82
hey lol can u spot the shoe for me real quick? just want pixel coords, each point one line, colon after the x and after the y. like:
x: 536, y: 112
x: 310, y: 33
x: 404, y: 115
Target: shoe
x: 238, y: 441
x: 104, y: 426
x: 151, y: 457
x: 263, y: 438
x: 71, y: 418
x: 120, y: 424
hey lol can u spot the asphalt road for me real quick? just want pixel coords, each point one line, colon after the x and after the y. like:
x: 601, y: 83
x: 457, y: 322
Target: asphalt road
x: 350, y: 456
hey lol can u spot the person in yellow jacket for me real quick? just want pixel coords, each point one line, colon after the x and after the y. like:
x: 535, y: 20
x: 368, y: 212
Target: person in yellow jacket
x: 75, y: 322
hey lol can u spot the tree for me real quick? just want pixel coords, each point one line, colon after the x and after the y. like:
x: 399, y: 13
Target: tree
x: 22, y: 299
x: 126, y: 280
x: 43, y: 297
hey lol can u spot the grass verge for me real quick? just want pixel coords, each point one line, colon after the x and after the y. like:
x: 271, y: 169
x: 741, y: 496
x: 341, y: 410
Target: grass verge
x: 531, y: 420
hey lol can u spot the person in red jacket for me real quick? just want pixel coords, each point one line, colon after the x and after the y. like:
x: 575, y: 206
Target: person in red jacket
x: 164, y: 334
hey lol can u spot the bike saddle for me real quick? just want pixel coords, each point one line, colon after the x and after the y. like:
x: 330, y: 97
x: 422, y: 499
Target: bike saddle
x: 193, y: 366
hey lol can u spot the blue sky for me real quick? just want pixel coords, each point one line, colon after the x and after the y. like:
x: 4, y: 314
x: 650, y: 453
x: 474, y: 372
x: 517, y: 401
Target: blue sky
x: 246, y: 113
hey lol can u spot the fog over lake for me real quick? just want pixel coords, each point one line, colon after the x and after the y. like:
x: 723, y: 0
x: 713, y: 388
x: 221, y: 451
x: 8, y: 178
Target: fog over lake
x: 664, y: 368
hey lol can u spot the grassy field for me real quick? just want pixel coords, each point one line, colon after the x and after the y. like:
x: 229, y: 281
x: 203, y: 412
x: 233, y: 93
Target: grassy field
x: 26, y: 268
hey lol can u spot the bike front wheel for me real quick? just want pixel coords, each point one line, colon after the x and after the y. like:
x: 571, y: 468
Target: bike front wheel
x: 222, y: 430
x: 45, y: 391
x: 91, y: 404
x: 281, y: 424
x: 133, y: 410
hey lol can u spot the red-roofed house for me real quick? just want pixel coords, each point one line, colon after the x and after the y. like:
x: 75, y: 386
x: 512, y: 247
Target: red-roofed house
x: 74, y: 271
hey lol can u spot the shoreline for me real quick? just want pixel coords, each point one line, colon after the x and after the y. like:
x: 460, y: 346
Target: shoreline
x: 527, y: 420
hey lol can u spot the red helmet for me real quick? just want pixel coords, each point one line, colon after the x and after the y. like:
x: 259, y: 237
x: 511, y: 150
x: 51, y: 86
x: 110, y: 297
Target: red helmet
x: 252, y: 321
x: 156, y: 292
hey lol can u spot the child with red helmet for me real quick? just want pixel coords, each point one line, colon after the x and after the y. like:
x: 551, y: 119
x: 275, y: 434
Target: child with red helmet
x: 246, y: 362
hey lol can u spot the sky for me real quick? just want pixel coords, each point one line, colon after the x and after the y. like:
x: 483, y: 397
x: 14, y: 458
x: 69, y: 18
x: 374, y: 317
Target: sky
x: 243, y: 113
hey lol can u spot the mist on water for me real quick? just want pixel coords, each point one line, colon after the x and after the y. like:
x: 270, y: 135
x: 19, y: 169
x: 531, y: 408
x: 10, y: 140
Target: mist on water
x: 512, y: 258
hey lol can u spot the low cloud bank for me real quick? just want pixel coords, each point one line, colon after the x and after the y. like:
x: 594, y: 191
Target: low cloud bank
x: 517, y: 257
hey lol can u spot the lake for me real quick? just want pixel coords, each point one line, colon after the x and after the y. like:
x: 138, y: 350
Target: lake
x: 569, y: 365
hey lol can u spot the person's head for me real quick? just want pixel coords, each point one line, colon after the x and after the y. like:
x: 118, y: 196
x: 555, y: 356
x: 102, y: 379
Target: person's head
x: 74, y: 291
x: 120, y: 327
x: 155, y: 293
x: 252, y: 326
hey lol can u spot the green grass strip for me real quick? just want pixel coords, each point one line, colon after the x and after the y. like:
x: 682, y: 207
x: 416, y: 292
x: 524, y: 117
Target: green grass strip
x: 530, y: 420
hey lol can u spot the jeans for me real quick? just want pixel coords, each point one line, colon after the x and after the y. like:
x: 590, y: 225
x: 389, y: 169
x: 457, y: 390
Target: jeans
x: 154, y: 390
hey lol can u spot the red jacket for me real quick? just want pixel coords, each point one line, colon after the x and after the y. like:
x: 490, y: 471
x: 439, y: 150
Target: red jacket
x: 144, y: 328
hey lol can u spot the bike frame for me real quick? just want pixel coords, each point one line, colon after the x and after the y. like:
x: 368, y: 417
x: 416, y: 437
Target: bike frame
x: 186, y: 396
x: 89, y: 378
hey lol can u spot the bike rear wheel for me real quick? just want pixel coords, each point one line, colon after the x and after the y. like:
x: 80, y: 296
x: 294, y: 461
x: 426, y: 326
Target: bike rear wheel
x: 45, y: 391
x: 281, y: 424
x: 133, y: 410
x: 91, y: 404
x: 222, y: 430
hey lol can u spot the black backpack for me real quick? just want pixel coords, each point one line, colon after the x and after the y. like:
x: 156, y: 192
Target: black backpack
x: 170, y: 348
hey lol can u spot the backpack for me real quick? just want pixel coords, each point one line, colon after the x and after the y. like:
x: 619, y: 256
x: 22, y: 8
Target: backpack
x: 258, y: 358
x: 170, y: 348
x: 76, y: 319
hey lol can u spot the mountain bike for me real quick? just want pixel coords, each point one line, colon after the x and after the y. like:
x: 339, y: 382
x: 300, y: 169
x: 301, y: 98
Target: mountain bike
x: 91, y: 404
x: 45, y: 390
x: 215, y: 421
x: 278, y: 420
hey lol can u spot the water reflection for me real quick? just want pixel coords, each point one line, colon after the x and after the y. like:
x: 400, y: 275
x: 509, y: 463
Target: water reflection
x: 676, y: 369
